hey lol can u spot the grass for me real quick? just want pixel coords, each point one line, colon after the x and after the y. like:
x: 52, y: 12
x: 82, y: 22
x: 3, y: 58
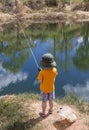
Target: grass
x: 14, y: 114
x: 11, y: 112
x: 82, y: 106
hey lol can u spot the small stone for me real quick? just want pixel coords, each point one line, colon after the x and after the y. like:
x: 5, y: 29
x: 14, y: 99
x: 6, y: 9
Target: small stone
x: 67, y: 113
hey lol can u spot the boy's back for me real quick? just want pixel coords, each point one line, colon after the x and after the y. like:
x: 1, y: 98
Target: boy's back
x: 47, y: 79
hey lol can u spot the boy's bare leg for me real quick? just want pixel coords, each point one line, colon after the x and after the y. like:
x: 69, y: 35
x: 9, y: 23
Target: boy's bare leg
x: 51, y: 105
x: 43, y: 107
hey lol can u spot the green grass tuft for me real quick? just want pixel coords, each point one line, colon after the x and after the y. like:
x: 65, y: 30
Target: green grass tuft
x: 10, y: 113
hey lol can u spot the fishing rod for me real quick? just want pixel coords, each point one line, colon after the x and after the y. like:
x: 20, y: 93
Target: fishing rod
x: 28, y: 43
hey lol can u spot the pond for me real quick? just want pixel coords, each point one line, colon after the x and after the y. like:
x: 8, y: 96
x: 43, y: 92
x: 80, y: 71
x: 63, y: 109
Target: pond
x: 69, y: 43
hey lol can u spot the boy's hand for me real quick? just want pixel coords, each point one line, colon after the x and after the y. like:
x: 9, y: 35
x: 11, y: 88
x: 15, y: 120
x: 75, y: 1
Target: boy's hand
x: 39, y: 69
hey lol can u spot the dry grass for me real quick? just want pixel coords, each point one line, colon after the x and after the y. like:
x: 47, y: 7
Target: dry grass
x: 13, y: 116
x: 20, y: 112
x: 82, y: 106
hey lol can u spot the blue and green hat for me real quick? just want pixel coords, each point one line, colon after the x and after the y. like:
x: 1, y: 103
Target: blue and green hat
x: 48, y: 60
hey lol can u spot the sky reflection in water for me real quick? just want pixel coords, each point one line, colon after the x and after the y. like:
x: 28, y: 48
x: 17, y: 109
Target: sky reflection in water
x: 71, y: 79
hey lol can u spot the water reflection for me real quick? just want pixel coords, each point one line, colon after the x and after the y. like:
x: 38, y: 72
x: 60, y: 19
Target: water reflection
x: 6, y: 77
x: 68, y: 43
x: 78, y: 89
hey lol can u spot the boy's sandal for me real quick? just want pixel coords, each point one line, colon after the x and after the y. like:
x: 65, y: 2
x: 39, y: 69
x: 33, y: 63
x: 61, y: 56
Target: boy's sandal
x: 42, y: 114
x: 50, y: 112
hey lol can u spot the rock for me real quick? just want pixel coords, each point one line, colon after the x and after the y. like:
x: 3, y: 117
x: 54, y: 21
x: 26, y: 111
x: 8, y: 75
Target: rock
x: 66, y: 118
x: 67, y: 113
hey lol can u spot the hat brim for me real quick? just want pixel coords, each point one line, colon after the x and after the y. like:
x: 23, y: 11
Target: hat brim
x: 53, y: 64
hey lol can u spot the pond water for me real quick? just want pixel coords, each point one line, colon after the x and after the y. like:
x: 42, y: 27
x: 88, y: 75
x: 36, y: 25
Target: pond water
x: 69, y: 43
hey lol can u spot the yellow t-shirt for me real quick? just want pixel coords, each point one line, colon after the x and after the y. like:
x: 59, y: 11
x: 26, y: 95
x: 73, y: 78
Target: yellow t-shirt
x: 47, y: 78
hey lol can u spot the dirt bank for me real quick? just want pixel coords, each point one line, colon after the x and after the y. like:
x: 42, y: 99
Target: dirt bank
x: 32, y: 107
x: 47, y: 14
x: 76, y: 16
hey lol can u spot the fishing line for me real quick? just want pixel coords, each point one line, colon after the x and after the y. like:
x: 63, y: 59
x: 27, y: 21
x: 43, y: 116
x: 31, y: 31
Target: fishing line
x: 28, y: 43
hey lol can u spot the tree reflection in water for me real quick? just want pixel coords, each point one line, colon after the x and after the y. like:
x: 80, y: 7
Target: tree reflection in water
x: 69, y: 43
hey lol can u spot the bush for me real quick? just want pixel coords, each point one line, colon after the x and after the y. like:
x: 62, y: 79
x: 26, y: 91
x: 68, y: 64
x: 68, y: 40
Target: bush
x: 10, y: 114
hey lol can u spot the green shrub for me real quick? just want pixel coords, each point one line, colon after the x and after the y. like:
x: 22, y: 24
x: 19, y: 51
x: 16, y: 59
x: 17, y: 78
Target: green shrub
x: 10, y: 114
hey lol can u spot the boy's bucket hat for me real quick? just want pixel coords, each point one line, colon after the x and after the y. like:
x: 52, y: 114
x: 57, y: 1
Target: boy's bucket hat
x: 48, y: 60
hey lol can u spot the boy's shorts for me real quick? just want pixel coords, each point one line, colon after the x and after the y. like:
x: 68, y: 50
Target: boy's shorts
x: 47, y: 96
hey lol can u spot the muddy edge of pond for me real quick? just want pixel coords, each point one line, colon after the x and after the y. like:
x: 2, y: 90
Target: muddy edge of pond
x: 76, y: 16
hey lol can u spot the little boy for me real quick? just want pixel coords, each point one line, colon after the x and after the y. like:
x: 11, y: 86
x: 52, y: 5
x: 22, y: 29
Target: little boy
x: 47, y: 78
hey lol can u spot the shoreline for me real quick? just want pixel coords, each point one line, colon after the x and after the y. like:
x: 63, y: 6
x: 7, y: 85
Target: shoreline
x: 20, y: 110
x: 51, y: 17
